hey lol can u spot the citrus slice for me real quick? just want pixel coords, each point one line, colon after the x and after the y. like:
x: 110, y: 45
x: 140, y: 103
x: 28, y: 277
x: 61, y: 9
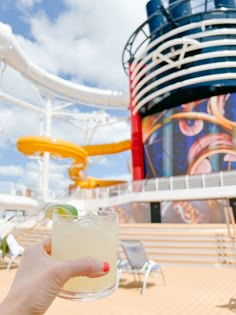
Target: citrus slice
x: 63, y: 209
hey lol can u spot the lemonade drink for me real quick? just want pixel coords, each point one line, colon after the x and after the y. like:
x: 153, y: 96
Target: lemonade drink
x: 95, y: 236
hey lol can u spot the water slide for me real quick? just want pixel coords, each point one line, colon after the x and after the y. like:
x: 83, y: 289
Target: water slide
x: 14, y: 56
x: 37, y: 145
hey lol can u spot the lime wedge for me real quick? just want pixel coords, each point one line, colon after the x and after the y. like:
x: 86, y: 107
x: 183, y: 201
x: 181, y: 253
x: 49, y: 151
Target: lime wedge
x: 63, y: 209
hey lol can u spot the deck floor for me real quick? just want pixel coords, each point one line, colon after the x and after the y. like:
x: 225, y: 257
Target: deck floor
x: 189, y: 291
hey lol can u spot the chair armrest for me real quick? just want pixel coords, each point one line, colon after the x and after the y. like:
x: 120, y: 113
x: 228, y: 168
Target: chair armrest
x: 154, y: 265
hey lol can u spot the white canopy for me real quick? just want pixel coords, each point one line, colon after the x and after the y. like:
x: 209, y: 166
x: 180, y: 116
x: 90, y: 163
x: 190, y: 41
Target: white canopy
x: 12, y: 202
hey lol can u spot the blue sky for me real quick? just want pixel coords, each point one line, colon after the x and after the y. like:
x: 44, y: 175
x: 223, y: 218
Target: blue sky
x: 16, y: 13
x: 78, y: 41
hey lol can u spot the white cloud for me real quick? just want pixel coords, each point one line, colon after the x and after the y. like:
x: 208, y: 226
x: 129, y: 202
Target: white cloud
x: 86, y: 42
x: 11, y: 171
x: 125, y: 177
x: 15, y: 123
x: 58, y: 177
x: 98, y: 160
x: 113, y: 133
x: 27, y: 4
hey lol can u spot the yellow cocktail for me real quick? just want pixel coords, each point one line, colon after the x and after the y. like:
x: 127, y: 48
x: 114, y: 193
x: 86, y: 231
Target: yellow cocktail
x: 95, y: 235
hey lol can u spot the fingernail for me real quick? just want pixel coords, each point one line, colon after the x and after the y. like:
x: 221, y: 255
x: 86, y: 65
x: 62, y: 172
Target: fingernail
x: 106, y: 266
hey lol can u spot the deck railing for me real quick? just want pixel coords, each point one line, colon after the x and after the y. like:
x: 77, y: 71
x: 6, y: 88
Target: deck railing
x: 173, y: 185
x: 200, y: 186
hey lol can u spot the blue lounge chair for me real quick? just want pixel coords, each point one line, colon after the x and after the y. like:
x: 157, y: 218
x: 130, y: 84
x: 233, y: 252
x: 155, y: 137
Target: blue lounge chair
x: 138, y: 261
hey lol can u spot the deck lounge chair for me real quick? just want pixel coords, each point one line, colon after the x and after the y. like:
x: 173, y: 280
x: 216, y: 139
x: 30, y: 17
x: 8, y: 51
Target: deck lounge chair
x: 122, y: 265
x: 139, y: 263
x: 14, y: 248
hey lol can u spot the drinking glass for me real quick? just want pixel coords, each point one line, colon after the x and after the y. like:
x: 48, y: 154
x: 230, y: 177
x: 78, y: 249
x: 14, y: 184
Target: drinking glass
x: 94, y: 234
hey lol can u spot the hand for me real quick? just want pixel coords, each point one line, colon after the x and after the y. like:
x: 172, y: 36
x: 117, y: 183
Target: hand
x: 40, y: 277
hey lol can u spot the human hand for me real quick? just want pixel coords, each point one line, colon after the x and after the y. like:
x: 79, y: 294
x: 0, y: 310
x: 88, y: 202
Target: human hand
x: 39, y: 278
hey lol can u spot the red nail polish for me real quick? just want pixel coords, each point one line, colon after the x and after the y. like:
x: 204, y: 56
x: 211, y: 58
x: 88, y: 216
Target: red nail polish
x: 106, y: 266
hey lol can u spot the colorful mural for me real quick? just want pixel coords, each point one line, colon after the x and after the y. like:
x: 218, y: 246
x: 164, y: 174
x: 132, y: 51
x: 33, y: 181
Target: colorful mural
x: 193, y: 211
x: 194, y: 138
x: 133, y: 212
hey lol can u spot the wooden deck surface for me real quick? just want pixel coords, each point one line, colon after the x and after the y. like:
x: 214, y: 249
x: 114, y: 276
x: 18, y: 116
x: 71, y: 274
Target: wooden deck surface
x: 189, y: 291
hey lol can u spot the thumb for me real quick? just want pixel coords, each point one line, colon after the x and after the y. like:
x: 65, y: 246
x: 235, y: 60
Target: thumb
x: 86, y: 266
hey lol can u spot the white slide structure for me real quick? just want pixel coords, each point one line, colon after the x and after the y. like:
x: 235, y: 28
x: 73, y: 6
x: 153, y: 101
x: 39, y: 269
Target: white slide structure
x: 12, y: 54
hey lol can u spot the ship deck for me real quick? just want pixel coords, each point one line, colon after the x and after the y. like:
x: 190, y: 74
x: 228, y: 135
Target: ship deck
x: 189, y: 290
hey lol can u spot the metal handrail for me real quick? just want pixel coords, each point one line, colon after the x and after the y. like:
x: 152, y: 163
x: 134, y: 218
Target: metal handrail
x: 230, y: 222
x: 141, y: 35
x: 162, y: 184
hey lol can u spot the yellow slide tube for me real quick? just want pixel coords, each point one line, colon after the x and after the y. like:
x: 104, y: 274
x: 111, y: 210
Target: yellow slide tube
x: 37, y: 145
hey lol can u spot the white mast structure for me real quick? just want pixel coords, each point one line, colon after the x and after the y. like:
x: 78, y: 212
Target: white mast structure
x: 53, y: 87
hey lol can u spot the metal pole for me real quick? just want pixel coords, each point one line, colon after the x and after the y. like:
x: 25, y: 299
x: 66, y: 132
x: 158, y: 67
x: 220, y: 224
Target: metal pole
x: 88, y: 139
x: 46, y: 155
